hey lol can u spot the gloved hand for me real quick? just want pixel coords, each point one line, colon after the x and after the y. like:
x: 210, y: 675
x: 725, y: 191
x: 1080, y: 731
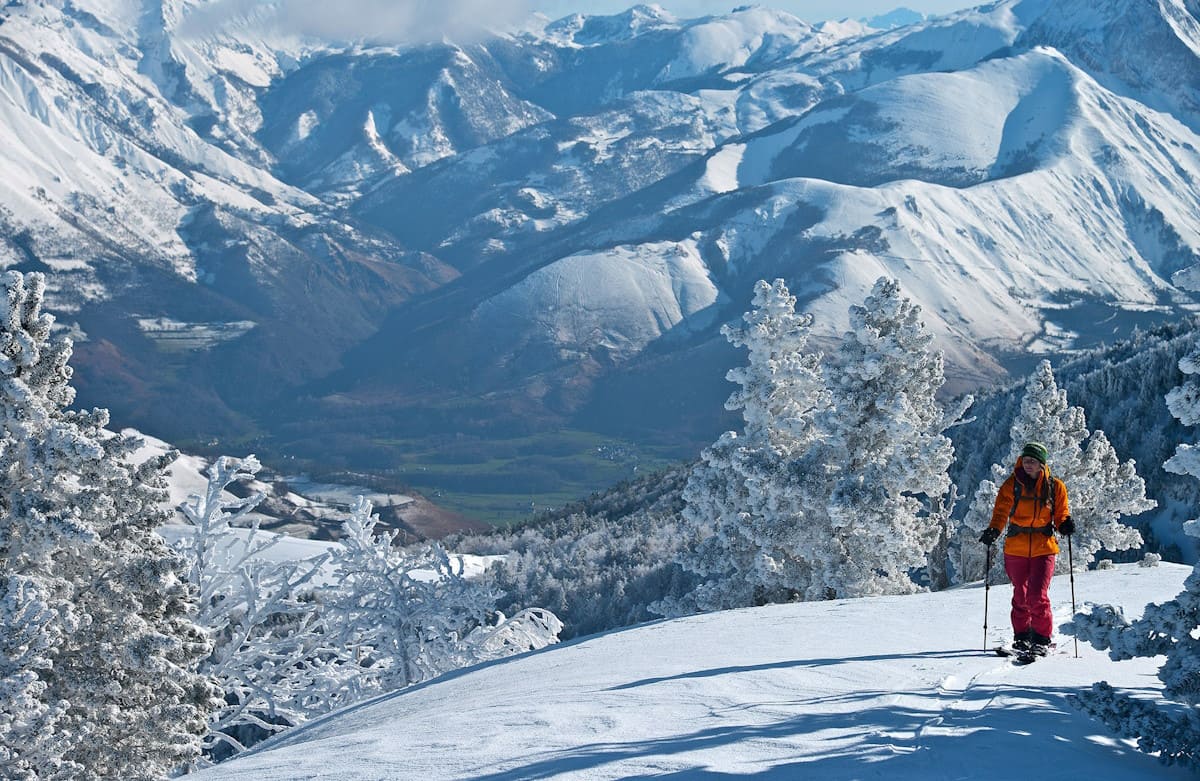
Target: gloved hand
x: 989, y: 535
x: 1067, y: 526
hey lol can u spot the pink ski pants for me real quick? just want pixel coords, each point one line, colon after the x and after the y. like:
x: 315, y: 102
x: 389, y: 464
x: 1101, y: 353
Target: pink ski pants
x: 1030, y: 578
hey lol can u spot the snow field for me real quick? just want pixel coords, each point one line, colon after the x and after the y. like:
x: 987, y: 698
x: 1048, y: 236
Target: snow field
x: 887, y: 687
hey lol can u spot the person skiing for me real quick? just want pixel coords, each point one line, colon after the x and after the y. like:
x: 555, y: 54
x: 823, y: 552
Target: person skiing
x: 1032, y: 503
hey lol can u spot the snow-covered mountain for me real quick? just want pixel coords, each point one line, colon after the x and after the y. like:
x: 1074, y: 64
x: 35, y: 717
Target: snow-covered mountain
x: 328, y: 247
x: 885, y: 687
x: 132, y: 173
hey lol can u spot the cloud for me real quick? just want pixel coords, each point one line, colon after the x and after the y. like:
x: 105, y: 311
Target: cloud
x: 370, y: 21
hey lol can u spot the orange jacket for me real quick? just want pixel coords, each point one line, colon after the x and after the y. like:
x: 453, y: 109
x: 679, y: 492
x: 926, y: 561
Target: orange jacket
x: 1038, y: 514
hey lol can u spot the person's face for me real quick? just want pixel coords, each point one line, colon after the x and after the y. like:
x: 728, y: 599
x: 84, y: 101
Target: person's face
x: 1031, y: 465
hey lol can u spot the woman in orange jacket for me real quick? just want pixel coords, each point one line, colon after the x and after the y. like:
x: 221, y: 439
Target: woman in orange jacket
x: 1033, y: 504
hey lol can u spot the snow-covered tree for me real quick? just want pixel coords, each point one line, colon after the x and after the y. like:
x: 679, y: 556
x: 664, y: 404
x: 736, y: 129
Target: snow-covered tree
x: 884, y: 452
x: 276, y: 664
x: 834, y: 488
x: 410, y: 615
x: 33, y: 747
x: 781, y: 385
x: 742, y: 501
x: 1172, y: 728
x: 298, y: 637
x: 970, y: 557
x: 100, y: 649
x: 1102, y: 491
x: 1100, y: 487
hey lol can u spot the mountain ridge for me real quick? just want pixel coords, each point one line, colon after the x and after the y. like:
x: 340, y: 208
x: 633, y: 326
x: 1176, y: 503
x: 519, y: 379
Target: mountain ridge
x: 541, y: 229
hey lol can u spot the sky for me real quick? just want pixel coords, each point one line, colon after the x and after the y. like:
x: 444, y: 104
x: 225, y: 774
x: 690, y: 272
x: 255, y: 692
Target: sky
x: 379, y: 21
x: 808, y: 10
x: 386, y: 21
x: 896, y: 688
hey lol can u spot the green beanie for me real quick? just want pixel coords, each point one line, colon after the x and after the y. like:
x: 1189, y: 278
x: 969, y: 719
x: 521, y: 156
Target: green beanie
x: 1036, y: 450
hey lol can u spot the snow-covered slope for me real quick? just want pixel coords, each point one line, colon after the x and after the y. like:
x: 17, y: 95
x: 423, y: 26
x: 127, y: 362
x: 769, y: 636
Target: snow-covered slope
x: 131, y: 173
x: 1008, y: 183
x: 334, y: 245
x: 891, y: 687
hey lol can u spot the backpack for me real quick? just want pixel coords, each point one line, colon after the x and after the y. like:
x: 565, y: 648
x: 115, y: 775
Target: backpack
x: 1047, y: 498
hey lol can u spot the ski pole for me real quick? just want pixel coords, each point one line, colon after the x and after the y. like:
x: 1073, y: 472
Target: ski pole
x: 987, y: 587
x: 1071, y: 564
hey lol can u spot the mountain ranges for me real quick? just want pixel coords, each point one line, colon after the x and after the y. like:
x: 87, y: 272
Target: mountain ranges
x: 502, y: 266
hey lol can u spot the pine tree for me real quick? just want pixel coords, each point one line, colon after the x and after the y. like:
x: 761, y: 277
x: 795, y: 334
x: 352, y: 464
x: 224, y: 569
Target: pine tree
x: 33, y: 746
x: 1101, y: 489
x: 739, y: 502
x: 884, y: 452
x: 1169, y: 629
x: 108, y: 657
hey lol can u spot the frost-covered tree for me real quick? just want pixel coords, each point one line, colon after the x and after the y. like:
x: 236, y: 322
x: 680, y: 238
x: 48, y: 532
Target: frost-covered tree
x: 970, y: 557
x: 33, y: 747
x: 100, y: 649
x: 743, y: 500
x: 1102, y: 491
x: 884, y: 453
x: 1172, y: 728
x: 1101, y: 488
x: 298, y: 637
x: 275, y: 663
x: 836, y: 487
x: 410, y: 615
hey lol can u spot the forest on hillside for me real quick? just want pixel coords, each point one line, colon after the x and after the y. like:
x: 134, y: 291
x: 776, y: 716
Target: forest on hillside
x: 609, y: 560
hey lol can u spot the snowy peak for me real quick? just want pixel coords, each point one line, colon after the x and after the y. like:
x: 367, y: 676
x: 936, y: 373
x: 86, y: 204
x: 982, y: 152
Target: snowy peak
x: 338, y: 121
x: 899, y: 17
x: 748, y: 39
x: 586, y: 30
x: 1017, y: 112
x: 1149, y: 48
x: 578, y: 206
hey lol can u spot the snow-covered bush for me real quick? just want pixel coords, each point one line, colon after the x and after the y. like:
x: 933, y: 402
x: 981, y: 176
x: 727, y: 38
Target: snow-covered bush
x: 296, y: 638
x: 531, y: 629
x: 98, y: 670
x: 410, y: 615
x: 1150, y: 560
x: 276, y: 665
x: 1100, y: 488
x: 1170, y: 629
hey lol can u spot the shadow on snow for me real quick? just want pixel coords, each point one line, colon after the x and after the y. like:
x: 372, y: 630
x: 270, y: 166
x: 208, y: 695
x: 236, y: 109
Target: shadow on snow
x: 956, y: 737
x: 799, y: 663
